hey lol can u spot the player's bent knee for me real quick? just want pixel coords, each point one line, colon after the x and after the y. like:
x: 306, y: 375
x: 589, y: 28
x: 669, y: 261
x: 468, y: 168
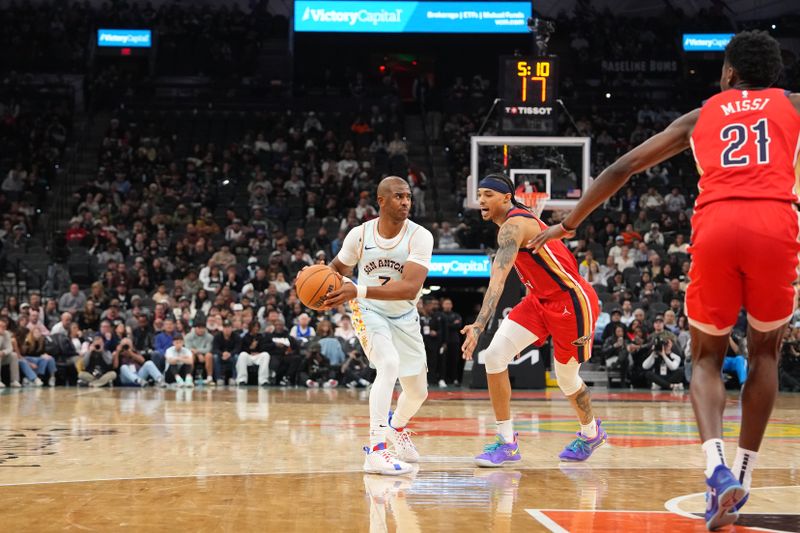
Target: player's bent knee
x: 499, y: 354
x: 567, y: 377
x: 495, y: 361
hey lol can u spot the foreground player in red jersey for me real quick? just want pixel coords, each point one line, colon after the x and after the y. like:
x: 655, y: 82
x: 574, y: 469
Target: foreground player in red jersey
x: 744, y: 245
x: 559, y: 303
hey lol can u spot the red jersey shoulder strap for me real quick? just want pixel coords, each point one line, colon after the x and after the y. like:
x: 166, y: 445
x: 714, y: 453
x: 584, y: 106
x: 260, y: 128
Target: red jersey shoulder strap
x: 519, y: 212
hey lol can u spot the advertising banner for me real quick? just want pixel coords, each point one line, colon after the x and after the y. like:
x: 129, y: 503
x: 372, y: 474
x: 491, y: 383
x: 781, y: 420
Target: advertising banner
x: 124, y: 38
x: 411, y: 17
x: 705, y: 42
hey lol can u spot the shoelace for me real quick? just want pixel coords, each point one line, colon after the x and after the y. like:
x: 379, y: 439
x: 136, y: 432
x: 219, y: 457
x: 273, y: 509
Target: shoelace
x: 496, y: 445
x: 579, y: 444
x: 388, y: 456
x: 405, y: 438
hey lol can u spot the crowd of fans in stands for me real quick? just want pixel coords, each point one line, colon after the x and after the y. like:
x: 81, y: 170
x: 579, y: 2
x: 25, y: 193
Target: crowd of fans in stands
x: 34, y: 130
x: 192, y: 255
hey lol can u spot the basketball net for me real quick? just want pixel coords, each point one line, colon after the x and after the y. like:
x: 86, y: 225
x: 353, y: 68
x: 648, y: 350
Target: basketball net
x: 535, y: 200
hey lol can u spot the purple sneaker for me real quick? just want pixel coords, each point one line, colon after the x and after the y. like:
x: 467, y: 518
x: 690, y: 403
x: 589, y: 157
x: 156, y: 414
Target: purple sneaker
x: 582, y: 448
x: 499, y: 453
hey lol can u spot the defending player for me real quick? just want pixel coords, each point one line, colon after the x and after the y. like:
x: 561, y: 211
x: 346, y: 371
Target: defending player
x: 393, y: 255
x: 744, y: 245
x: 559, y: 303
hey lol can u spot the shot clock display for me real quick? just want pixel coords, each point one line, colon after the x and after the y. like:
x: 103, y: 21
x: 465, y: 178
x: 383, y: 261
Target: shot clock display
x: 528, y: 89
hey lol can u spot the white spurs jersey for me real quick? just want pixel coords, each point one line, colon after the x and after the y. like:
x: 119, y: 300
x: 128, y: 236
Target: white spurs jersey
x: 382, y: 260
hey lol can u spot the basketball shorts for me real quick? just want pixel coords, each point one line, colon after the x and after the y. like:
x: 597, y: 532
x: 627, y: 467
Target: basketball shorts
x: 744, y: 254
x: 569, y: 318
x: 403, y: 333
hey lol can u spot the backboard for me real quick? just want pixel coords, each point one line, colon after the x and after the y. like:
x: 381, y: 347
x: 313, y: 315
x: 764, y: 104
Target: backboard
x: 558, y: 166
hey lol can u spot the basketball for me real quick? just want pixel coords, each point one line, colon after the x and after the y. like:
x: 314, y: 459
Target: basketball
x: 314, y: 283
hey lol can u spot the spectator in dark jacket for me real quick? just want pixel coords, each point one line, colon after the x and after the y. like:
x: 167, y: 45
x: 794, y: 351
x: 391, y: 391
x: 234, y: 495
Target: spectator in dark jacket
x: 315, y: 369
x: 285, y: 355
x: 226, y: 348
x: 253, y: 352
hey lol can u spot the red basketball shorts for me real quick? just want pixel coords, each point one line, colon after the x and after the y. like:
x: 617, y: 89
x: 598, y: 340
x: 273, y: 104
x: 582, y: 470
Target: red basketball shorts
x: 569, y: 318
x: 744, y: 254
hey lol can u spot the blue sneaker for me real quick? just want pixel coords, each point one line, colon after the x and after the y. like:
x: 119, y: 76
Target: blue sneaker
x: 724, y: 492
x: 499, y: 452
x: 582, y: 448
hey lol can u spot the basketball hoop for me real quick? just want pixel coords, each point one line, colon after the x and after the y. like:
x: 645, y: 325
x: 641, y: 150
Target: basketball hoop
x: 533, y: 199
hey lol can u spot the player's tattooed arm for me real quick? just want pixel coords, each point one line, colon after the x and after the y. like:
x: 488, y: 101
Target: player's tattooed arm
x: 508, y: 240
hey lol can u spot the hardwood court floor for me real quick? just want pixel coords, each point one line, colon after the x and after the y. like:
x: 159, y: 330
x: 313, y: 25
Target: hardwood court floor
x: 290, y: 460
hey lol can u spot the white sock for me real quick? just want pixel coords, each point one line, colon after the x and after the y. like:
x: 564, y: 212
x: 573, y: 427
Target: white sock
x: 506, y: 429
x: 743, y: 466
x: 715, y: 455
x: 589, y: 430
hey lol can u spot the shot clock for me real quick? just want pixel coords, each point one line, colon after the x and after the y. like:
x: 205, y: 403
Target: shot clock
x: 528, y: 89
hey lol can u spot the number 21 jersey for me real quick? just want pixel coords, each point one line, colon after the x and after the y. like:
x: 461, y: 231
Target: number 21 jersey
x: 745, y: 143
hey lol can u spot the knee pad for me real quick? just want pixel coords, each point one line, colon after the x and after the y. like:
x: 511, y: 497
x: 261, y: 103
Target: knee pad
x: 498, y: 354
x: 567, y: 376
x: 510, y: 339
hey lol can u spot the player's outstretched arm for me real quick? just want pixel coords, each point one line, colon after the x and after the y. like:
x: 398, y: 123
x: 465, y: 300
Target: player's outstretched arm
x: 660, y: 147
x: 509, y: 240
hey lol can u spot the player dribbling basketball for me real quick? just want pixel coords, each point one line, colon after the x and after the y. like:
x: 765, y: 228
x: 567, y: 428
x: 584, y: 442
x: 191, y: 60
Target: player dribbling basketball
x: 393, y: 256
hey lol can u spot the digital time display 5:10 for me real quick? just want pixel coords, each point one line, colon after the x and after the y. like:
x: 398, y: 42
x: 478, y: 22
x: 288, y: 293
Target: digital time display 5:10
x: 529, y: 81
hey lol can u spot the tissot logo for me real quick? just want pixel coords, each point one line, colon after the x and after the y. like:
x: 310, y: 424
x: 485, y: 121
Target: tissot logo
x: 353, y: 17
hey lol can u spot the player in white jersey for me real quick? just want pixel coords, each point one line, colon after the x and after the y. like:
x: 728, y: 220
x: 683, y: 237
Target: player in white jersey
x: 393, y: 256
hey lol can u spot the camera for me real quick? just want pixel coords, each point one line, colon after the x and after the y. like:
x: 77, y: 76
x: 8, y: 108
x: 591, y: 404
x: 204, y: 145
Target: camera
x: 658, y: 344
x: 542, y: 29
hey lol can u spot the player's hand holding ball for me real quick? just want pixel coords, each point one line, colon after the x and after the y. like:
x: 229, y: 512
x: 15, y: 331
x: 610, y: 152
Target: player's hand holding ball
x: 346, y: 292
x: 314, y: 283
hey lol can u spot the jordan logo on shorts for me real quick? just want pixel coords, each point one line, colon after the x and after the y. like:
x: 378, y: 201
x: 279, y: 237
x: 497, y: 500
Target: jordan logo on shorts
x: 566, y: 312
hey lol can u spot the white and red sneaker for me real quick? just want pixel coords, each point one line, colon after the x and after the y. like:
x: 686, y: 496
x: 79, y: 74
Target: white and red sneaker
x: 380, y: 460
x: 401, y: 440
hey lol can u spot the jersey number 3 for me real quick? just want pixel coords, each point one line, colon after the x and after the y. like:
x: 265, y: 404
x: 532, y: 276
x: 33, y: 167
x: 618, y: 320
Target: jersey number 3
x: 736, y: 135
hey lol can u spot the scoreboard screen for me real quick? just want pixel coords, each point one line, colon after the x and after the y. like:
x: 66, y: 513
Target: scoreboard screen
x: 529, y: 90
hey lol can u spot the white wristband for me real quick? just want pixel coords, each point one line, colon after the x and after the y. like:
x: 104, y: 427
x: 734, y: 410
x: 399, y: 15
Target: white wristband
x: 361, y: 290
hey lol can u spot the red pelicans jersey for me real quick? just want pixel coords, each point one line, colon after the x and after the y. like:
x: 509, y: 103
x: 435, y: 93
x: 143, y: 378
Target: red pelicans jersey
x: 746, y: 143
x: 560, y: 303
x: 550, y: 272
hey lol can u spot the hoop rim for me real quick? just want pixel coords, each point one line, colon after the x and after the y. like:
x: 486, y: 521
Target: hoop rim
x: 535, y: 200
